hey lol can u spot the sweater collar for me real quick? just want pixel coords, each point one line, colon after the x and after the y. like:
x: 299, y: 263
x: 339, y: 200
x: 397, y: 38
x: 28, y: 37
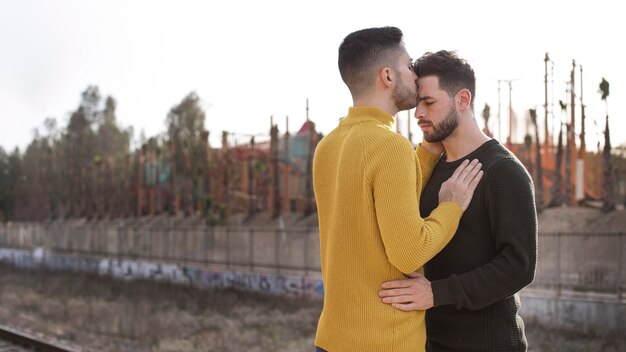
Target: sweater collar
x: 358, y: 114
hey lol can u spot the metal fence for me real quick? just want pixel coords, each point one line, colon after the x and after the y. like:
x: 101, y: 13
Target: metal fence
x: 576, y: 262
x: 582, y: 262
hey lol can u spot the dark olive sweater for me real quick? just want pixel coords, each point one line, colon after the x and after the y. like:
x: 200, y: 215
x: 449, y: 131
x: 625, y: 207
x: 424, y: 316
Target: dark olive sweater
x: 492, y: 256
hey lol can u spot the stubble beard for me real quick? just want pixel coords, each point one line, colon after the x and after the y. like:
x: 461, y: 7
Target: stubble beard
x: 404, y: 98
x: 443, y: 129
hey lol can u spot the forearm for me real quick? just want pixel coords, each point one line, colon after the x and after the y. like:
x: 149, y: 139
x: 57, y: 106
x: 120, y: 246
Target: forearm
x: 409, y: 240
x: 502, y: 277
x: 410, y: 245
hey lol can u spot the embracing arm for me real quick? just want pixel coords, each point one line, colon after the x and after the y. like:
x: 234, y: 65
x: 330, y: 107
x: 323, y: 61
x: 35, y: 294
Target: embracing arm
x: 409, y: 240
x: 513, y: 219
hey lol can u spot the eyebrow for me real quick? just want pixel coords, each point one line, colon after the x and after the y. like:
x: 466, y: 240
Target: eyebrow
x: 424, y: 98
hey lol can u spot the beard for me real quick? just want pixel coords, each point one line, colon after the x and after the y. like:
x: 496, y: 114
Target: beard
x: 442, y: 130
x: 404, y: 97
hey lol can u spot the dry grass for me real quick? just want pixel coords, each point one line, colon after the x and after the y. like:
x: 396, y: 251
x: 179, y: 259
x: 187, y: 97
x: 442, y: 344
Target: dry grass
x: 103, y: 314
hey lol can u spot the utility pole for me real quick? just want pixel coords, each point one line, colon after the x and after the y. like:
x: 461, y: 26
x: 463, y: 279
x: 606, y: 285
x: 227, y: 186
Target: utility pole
x: 225, y: 175
x: 285, y: 180
x: 580, y: 165
x: 512, y: 122
x: 276, y: 206
x: 572, y: 134
x: 545, y: 105
x: 251, y: 191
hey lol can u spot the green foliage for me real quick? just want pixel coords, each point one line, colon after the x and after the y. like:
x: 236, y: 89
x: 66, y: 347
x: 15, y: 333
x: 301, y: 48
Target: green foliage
x: 185, y: 130
x: 76, y: 170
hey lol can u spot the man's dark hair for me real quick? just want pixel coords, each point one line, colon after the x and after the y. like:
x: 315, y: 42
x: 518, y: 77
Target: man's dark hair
x: 454, y: 73
x: 364, y: 52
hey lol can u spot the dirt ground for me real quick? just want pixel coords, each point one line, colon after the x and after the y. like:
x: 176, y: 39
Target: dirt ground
x: 102, y: 314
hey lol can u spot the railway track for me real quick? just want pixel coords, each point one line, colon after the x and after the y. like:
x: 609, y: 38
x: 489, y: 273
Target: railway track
x: 12, y: 340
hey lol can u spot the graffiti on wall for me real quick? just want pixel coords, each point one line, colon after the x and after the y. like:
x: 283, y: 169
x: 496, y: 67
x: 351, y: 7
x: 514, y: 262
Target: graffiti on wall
x: 137, y: 269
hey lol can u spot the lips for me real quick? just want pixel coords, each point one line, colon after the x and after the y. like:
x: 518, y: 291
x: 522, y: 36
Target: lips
x: 425, y: 126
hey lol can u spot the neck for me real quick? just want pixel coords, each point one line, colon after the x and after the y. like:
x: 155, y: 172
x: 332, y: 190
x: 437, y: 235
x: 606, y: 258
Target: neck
x: 466, y: 138
x: 377, y: 101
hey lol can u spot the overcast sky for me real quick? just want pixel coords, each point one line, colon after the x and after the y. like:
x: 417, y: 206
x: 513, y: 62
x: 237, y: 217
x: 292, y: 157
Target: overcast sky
x: 248, y: 60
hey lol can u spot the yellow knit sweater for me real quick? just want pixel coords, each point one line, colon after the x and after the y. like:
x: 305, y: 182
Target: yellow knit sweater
x: 367, y: 182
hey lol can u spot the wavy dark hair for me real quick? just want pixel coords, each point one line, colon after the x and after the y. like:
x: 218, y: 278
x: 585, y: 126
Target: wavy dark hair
x: 454, y: 73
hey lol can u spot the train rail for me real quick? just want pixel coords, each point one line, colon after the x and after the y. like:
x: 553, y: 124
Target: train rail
x: 18, y: 341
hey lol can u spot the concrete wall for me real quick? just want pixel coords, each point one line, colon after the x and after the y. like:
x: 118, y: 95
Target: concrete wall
x: 176, y: 273
x: 588, y: 312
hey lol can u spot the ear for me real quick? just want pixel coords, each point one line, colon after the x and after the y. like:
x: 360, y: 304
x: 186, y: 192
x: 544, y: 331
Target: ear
x: 386, y: 76
x: 463, y: 99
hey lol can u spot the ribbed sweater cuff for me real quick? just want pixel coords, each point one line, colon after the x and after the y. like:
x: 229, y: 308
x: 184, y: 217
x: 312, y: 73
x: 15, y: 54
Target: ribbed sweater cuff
x: 449, y: 211
x: 442, y: 292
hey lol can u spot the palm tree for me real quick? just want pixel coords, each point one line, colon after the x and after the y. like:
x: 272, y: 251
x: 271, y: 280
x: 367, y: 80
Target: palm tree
x: 607, y: 184
x: 539, y: 175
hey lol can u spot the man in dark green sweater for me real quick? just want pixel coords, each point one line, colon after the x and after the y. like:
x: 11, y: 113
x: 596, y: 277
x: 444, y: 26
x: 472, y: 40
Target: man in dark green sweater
x: 471, y: 287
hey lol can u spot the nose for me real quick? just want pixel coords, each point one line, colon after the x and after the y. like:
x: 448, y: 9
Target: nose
x: 419, y: 112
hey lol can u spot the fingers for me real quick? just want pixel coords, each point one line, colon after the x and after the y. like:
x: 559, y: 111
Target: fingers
x: 459, y: 169
x: 397, y: 299
x: 469, y: 171
x: 394, y: 292
x: 396, y: 284
x: 474, y: 183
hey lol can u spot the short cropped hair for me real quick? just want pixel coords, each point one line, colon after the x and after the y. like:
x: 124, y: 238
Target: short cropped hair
x: 454, y: 73
x: 364, y: 52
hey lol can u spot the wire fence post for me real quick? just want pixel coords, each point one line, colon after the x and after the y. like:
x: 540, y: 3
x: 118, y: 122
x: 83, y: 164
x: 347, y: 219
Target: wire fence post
x: 120, y: 227
x: 620, y: 283
x: 227, y: 248
x: 276, y: 249
x: 206, y: 244
x: 620, y: 268
x: 558, y: 279
x: 306, y: 251
x: 170, y: 234
x: 251, y: 249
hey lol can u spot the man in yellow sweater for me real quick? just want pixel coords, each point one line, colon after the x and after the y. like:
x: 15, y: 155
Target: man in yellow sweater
x: 367, y: 182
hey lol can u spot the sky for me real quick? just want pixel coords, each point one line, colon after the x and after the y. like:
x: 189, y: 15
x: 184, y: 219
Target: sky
x: 250, y: 60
